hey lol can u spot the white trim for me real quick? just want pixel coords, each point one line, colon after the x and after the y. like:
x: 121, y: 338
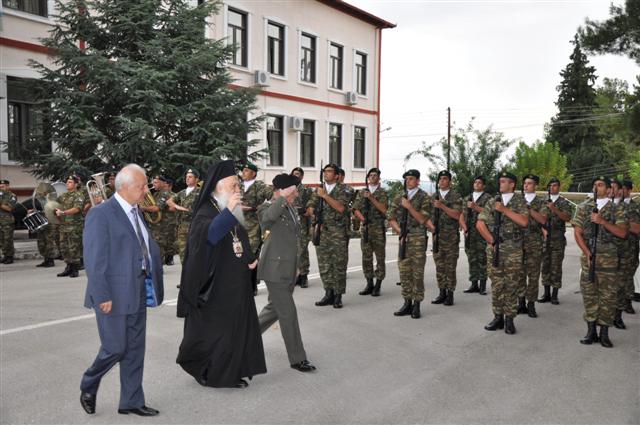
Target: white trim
x: 225, y: 35
x: 49, y: 20
x: 285, y: 47
x: 329, y: 70
x: 353, y: 150
x: 355, y: 73
x: 317, y: 74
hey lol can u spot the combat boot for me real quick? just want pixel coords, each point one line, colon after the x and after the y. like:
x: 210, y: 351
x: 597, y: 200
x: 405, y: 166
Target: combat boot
x: 81, y: 265
x: 554, y: 297
x: 483, y: 287
x: 449, y: 298
x: 547, y: 295
x: 604, y: 337
x: 473, y: 288
x: 522, y: 306
x: 440, y: 298
x: 327, y: 299
x: 7, y: 260
x: 405, y: 309
x: 66, y: 271
x: 367, y: 289
x: 531, y: 309
x: 509, y: 327
x: 304, y: 282
x: 629, y: 308
x: 73, y: 272
x: 376, y: 288
x: 592, y: 334
x: 415, y: 311
x: 298, y: 279
x: 496, y: 323
x: 43, y: 263
x: 337, y: 301
x: 617, y: 322
x: 49, y: 263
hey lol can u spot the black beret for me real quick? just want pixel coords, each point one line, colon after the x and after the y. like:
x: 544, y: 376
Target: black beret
x: 606, y: 180
x: 628, y: 184
x: 334, y: 167
x: 4, y: 181
x: 341, y: 171
x: 298, y: 169
x: 162, y: 179
x: 282, y: 181
x: 411, y: 173
x: 616, y: 181
x: 374, y: 170
x: 169, y: 181
x: 508, y: 175
x: 532, y: 177
x: 193, y: 171
x: 74, y: 178
x: 554, y: 180
x: 444, y: 173
x: 250, y: 166
x: 481, y: 178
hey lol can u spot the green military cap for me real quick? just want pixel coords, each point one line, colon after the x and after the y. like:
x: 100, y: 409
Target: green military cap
x: 444, y: 173
x: 616, y: 181
x: 73, y: 177
x: 411, y: 173
x: 4, y: 181
x: 627, y: 184
x: 606, y: 180
x: 374, y: 170
x: 554, y: 180
x: 298, y: 169
x: 250, y: 166
x: 341, y: 171
x: 532, y: 177
x: 508, y: 175
x: 481, y: 178
x: 193, y: 171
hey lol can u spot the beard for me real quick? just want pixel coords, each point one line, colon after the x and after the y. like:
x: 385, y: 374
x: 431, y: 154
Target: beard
x: 222, y: 199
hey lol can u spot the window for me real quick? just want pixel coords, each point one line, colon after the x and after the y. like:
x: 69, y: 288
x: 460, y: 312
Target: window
x: 361, y: 73
x: 308, y: 144
x: 275, y: 141
x: 36, y: 7
x: 275, y: 48
x: 358, y: 147
x: 335, y: 144
x: 237, y: 35
x: 26, y: 122
x: 335, y: 65
x: 308, y: 58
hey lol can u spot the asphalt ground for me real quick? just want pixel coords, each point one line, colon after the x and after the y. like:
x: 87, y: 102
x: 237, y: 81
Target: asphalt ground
x: 373, y: 368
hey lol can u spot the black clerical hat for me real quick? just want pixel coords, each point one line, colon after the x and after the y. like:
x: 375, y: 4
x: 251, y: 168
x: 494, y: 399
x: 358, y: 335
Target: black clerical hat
x: 282, y: 181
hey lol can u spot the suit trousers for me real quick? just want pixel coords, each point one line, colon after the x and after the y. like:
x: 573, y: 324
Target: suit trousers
x: 282, y: 308
x: 122, y: 340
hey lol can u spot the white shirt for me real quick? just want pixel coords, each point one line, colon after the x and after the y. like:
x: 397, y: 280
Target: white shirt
x: 616, y: 201
x: 443, y: 193
x: 329, y: 187
x: 627, y: 200
x: 554, y: 198
x: 248, y: 184
x: 477, y: 195
x: 602, y: 202
x: 529, y: 197
x: 411, y: 192
x: 373, y: 188
x: 506, y: 197
x: 188, y: 190
x: 126, y: 207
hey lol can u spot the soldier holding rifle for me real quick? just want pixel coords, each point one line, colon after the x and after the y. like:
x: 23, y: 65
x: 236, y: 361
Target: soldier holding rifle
x: 474, y: 245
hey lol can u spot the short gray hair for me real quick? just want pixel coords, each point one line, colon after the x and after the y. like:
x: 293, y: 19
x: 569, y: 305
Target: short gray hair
x: 125, y: 176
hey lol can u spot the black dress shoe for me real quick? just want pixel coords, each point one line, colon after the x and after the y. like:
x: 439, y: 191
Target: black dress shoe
x: 303, y: 366
x: 88, y: 402
x: 241, y: 384
x: 140, y: 411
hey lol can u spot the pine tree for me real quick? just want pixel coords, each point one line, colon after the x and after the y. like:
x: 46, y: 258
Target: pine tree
x: 138, y: 81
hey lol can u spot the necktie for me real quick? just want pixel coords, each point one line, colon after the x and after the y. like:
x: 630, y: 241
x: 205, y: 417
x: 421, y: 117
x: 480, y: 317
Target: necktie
x: 143, y: 245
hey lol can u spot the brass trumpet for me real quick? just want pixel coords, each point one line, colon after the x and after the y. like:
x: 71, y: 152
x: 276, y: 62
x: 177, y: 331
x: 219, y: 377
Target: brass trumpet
x: 150, y: 201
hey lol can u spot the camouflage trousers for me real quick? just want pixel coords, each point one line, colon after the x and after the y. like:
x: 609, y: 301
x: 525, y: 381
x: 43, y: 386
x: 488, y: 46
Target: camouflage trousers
x: 412, y: 267
x: 6, y: 238
x: 600, y: 297
x: 447, y: 260
x: 71, y: 243
x: 625, y: 280
x: 171, y: 236
x: 182, y: 235
x: 530, y: 277
x: 47, y: 241
x: 505, y: 278
x: 477, y: 257
x: 552, y: 263
x: 158, y: 236
x: 332, y: 259
x: 376, y: 245
x: 303, y: 261
x: 254, y: 235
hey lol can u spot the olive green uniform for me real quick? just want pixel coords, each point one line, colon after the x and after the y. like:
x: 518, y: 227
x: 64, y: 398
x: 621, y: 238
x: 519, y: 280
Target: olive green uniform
x: 7, y: 223
x: 446, y: 259
x: 71, y: 227
x: 373, y: 233
x: 184, y: 218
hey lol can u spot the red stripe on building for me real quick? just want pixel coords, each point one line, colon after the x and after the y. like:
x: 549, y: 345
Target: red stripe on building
x: 23, y: 45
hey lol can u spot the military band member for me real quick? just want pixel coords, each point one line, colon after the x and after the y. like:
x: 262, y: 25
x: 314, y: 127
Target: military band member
x: 8, y: 201
x: 559, y: 212
x: 633, y: 213
x: 599, y: 297
x: 626, y: 255
x: 300, y: 204
x: 532, y: 246
x: 370, y: 207
x: 161, y: 196
x: 505, y: 275
x: 182, y: 202
x: 332, y: 255
x: 450, y: 205
x: 70, y: 213
x: 415, y: 205
x: 48, y: 235
x: 110, y: 187
x: 475, y: 245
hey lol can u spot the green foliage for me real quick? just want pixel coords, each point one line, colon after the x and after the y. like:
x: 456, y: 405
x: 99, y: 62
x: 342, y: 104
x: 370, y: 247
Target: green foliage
x: 149, y: 88
x: 394, y: 188
x: 542, y: 159
x: 634, y: 169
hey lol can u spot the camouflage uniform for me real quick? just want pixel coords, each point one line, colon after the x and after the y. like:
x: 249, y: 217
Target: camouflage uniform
x: 553, y: 258
x: 184, y: 218
x: 351, y: 195
x: 377, y: 233
x: 599, y: 297
x: 332, y: 251
x: 169, y: 229
x: 253, y: 197
x: 626, y: 261
x: 446, y: 258
x: 477, y: 247
x: 300, y: 204
x: 71, y: 227
x: 505, y: 278
x: 158, y: 229
x: 532, y: 249
x: 47, y: 241
x: 412, y: 267
x: 633, y: 215
x: 108, y: 191
x: 7, y: 223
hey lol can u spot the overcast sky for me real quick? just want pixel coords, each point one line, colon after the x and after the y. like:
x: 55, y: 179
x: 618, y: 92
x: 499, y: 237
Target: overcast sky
x: 498, y: 61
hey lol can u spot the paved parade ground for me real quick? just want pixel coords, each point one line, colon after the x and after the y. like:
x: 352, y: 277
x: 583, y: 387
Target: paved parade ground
x: 373, y: 368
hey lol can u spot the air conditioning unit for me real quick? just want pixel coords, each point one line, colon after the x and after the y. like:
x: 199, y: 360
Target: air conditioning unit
x: 261, y: 78
x: 351, y: 97
x: 296, y: 124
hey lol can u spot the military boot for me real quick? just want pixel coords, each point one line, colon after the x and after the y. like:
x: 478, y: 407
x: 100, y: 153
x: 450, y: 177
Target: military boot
x: 367, y: 289
x: 66, y: 271
x: 81, y: 265
x: 496, y: 323
x: 405, y: 309
x: 327, y: 299
x: 8, y: 260
x: 337, y: 301
x: 522, y: 306
x: 604, y: 337
x: 440, y: 298
x: 298, y: 279
x: 73, y: 272
x: 483, y: 287
x: 509, y: 327
x: 48, y: 262
x: 592, y: 334
x: 547, y: 295
x: 473, y: 288
x: 376, y: 288
x: 629, y: 308
x: 415, y: 311
x: 531, y: 309
x: 449, y: 298
x: 617, y: 322
x: 304, y: 282
x: 554, y: 297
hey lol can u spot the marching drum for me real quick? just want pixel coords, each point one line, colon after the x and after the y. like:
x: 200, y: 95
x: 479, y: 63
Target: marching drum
x: 35, y: 221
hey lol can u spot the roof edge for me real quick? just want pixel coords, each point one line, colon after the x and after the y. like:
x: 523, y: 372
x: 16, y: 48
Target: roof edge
x: 358, y: 13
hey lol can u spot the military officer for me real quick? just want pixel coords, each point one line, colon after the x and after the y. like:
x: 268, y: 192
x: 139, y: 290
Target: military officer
x: 475, y: 246
x: 559, y: 212
x: 370, y: 207
x: 182, y: 202
x: 70, y: 213
x: 300, y: 204
x: 328, y: 205
x: 408, y: 215
x: 502, y: 225
x: 8, y: 201
x: 633, y: 214
x: 447, y: 208
x: 110, y: 187
x: 599, y: 295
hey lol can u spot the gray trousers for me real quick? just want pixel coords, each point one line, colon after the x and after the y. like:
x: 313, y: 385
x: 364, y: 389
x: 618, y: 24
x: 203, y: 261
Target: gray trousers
x: 282, y: 308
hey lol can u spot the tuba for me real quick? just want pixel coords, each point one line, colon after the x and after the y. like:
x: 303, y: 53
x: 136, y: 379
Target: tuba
x: 150, y: 201
x: 96, y: 189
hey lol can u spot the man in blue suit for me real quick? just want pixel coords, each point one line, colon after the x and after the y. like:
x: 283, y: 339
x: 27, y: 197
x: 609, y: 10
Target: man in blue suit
x: 124, y: 271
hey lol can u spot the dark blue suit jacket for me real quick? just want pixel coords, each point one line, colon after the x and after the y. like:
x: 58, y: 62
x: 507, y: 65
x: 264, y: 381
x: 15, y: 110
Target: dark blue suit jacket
x: 113, y: 259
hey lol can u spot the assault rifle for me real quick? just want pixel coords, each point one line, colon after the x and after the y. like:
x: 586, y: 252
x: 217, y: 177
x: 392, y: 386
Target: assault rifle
x: 593, y: 240
x: 467, y: 238
x: 497, y: 219
x: 317, y: 212
x: 402, y: 248
x: 365, y: 211
x: 548, y: 226
x: 436, y: 232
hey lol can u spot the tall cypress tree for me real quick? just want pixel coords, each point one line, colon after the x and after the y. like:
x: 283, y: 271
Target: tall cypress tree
x: 138, y: 81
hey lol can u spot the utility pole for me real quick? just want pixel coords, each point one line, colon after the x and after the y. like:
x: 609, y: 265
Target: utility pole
x: 448, y: 139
